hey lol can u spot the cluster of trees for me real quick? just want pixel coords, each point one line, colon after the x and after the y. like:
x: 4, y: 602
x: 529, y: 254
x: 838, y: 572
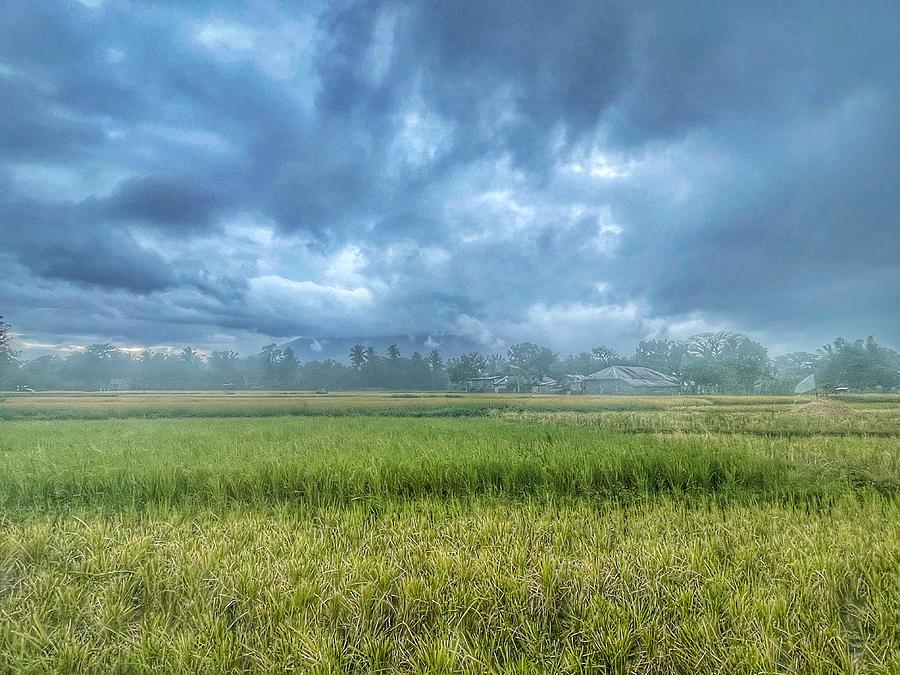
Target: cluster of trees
x: 861, y: 365
x: 709, y: 362
x: 720, y: 362
x: 103, y: 367
x: 706, y: 363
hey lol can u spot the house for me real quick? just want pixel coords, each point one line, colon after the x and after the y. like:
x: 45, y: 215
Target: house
x: 572, y: 384
x: 490, y: 383
x: 630, y: 380
x: 544, y: 385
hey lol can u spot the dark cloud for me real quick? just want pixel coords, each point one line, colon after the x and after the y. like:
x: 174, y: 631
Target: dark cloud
x: 104, y: 261
x: 171, y: 201
x: 575, y: 172
x: 63, y: 241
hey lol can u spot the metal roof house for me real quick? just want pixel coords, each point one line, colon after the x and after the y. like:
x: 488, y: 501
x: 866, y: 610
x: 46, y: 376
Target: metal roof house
x: 490, y: 383
x: 544, y: 385
x: 571, y: 384
x: 629, y: 380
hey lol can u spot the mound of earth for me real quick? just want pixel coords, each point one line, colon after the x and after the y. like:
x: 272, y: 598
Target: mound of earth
x: 824, y: 407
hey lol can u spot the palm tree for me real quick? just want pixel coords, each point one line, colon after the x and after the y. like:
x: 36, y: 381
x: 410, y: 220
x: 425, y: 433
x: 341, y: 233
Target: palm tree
x: 190, y: 355
x: 393, y: 352
x: 434, y: 360
x: 357, y: 356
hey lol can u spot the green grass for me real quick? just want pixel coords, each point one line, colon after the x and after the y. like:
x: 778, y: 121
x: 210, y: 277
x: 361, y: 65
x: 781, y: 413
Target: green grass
x: 325, y: 460
x: 110, y: 405
x: 545, y: 535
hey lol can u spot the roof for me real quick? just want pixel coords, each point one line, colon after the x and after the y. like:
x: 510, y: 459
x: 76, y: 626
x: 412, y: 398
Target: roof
x: 487, y: 378
x: 636, y: 376
x: 543, y: 381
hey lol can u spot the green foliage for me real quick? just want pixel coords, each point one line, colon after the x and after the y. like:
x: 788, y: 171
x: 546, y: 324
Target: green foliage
x: 725, y: 363
x: 862, y: 365
x: 605, y: 356
x: 582, y: 363
x: 530, y: 360
x: 664, y: 356
x: 357, y: 356
x: 8, y: 355
x: 467, y: 366
x: 708, y: 363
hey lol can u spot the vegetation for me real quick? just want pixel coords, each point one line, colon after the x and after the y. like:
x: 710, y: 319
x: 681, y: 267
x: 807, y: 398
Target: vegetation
x: 8, y: 355
x: 707, y: 363
x: 361, y: 533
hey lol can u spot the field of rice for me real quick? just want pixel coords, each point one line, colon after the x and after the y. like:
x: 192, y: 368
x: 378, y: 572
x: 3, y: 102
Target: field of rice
x: 447, y: 533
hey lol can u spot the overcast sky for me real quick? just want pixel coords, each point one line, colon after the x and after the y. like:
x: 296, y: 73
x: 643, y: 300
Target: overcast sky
x: 573, y: 173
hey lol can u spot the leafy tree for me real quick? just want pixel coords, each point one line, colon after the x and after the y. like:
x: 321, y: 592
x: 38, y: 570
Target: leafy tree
x: 268, y: 361
x: 190, y: 366
x: 747, y: 362
x: 709, y: 345
x: 725, y: 362
x: 800, y: 363
x: 582, y: 363
x: 466, y: 366
x: 393, y: 352
x: 327, y: 374
x: 224, y: 367
x: 705, y: 374
x: 531, y: 360
x: 662, y: 355
x: 605, y: 356
x: 8, y: 355
x: 42, y: 372
x: 790, y: 369
x: 95, y: 366
x: 862, y: 365
x: 495, y: 363
x: 288, y: 369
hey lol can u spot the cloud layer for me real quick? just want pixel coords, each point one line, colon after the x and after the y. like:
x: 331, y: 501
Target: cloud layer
x: 573, y: 173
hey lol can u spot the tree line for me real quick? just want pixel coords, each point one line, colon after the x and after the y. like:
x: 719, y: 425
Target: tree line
x: 720, y: 362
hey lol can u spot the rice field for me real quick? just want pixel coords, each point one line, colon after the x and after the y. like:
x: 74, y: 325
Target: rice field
x: 433, y: 533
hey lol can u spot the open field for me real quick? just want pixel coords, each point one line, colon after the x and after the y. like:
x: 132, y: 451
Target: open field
x: 435, y: 533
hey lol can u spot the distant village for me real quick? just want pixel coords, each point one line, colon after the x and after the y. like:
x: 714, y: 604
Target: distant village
x: 707, y: 363
x: 618, y: 380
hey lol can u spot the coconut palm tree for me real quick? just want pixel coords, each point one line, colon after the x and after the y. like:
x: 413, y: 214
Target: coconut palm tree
x: 434, y: 360
x: 357, y: 356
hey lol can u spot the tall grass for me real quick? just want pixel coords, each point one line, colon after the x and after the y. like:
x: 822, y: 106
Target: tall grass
x: 378, y: 534
x: 333, y: 461
x: 442, y: 586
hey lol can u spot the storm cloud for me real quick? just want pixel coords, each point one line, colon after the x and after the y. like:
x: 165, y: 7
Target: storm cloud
x: 572, y: 173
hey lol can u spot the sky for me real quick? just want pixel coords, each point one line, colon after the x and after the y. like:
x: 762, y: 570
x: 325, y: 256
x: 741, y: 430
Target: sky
x: 224, y: 175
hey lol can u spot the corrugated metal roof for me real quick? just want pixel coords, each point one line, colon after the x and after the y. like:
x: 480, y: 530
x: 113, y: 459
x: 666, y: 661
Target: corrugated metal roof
x: 544, y: 380
x: 636, y: 376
